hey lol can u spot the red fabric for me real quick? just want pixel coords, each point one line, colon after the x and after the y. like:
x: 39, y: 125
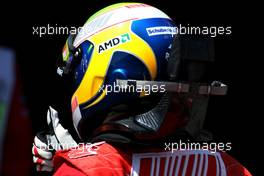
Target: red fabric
x: 17, y: 158
x: 109, y: 161
x: 145, y: 167
x: 113, y: 161
x: 66, y: 168
x: 233, y: 166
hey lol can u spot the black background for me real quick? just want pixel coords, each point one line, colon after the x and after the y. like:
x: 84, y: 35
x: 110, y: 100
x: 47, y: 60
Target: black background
x: 232, y: 118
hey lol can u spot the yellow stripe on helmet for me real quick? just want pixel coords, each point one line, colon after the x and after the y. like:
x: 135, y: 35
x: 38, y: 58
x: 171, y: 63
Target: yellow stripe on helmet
x: 95, y: 74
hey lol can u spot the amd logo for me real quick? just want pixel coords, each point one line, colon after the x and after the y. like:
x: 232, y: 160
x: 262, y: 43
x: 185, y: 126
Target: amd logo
x: 113, y: 42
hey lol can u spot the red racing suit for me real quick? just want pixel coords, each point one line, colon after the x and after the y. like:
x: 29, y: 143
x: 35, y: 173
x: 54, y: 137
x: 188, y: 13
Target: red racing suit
x: 106, y: 160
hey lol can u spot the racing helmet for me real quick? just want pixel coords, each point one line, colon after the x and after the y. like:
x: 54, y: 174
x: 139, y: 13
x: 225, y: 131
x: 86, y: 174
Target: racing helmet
x: 118, y: 46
